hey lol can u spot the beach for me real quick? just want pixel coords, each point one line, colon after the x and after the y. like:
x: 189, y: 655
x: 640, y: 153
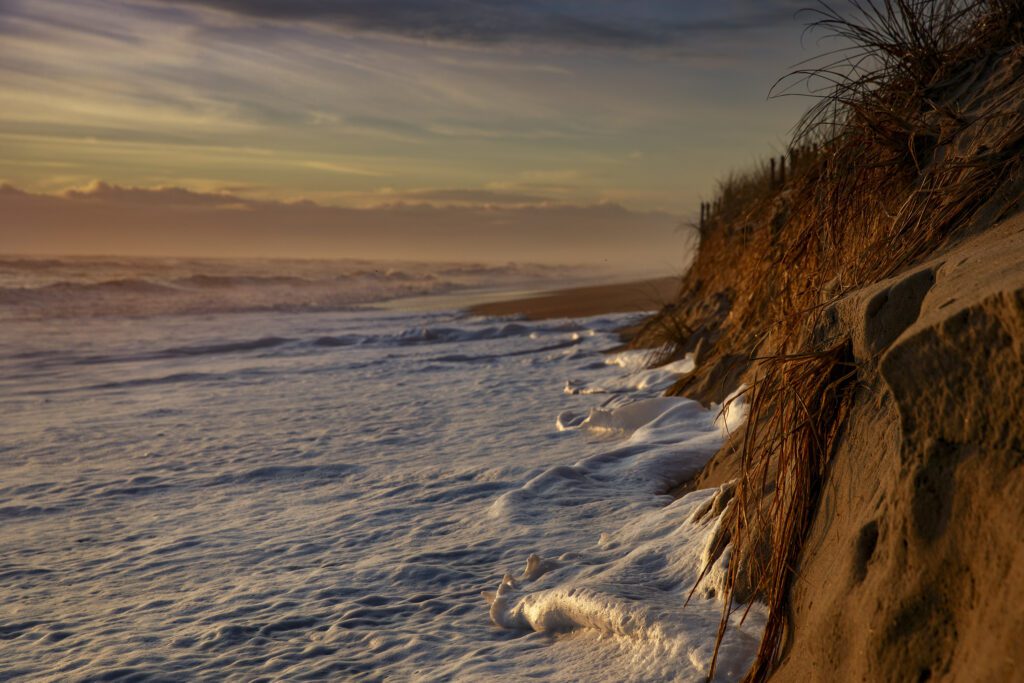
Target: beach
x: 575, y: 302
x: 464, y: 342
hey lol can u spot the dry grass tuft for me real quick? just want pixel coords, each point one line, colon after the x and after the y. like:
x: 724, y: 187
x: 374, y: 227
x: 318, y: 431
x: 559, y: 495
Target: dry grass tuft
x: 787, y: 455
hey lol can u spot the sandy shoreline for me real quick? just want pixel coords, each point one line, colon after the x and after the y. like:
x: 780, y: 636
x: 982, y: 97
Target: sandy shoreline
x: 578, y: 302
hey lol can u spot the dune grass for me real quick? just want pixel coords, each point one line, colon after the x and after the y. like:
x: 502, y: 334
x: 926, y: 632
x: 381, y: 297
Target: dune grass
x: 915, y: 139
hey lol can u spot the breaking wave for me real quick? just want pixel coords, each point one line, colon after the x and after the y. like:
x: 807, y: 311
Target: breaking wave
x: 80, y: 287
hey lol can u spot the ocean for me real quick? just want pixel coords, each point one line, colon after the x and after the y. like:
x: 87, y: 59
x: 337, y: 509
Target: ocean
x: 213, y: 476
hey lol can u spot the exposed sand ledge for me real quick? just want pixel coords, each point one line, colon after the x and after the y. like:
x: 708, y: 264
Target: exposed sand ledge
x: 579, y: 302
x: 914, y: 568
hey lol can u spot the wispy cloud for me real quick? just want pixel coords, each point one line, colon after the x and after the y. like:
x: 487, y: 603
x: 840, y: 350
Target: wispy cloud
x: 337, y: 99
x: 588, y: 23
x: 343, y: 169
x: 484, y: 197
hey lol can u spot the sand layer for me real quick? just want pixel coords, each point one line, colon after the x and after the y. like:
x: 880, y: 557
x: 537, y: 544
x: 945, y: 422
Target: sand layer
x: 577, y: 302
x: 914, y: 566
x: 914, y: 569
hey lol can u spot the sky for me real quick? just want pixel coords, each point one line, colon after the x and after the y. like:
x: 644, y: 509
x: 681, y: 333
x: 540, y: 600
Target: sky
x: 519, y: 111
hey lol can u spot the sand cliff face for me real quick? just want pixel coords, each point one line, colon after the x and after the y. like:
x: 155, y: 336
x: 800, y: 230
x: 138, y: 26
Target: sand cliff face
x: 872, y: 302
x: 914, y: 566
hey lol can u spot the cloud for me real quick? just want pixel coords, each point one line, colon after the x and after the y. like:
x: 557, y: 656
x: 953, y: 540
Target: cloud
x: 474, y: 196
x: 342, y: 169
x: 173, y: 221
x: 583, y: 23
x: 11, y: 191
x: 310, y: 99
x: 99, y: 192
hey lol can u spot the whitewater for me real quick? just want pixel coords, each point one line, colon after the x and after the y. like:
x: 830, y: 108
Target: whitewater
x: 354, y: 495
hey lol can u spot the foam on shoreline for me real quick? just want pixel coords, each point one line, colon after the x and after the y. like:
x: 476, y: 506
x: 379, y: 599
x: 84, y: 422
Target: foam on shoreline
x: 633, y: 583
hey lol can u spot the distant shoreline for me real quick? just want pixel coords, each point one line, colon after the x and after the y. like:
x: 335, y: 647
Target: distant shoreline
x: 579, y: 302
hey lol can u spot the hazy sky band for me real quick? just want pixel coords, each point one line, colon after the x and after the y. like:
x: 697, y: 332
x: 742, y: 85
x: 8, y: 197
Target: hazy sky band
x: 107, y: 220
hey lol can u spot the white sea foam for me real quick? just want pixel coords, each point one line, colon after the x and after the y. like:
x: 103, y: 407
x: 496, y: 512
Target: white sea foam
x: 733, y: 411
x: 309, y: 496
x: 633, y: 583
x: 638, y: 376
x: 635, y: 587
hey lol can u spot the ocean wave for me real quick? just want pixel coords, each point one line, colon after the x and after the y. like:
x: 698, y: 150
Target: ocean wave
x: 38, y: 288
x: 536, y: 338
x: 64, y: 288
x: 227, y: 347
x: 142, y: 298
x: 387, y: 275
x: 222, y: 281
x: 31, y: 263
x: 433, y: 335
